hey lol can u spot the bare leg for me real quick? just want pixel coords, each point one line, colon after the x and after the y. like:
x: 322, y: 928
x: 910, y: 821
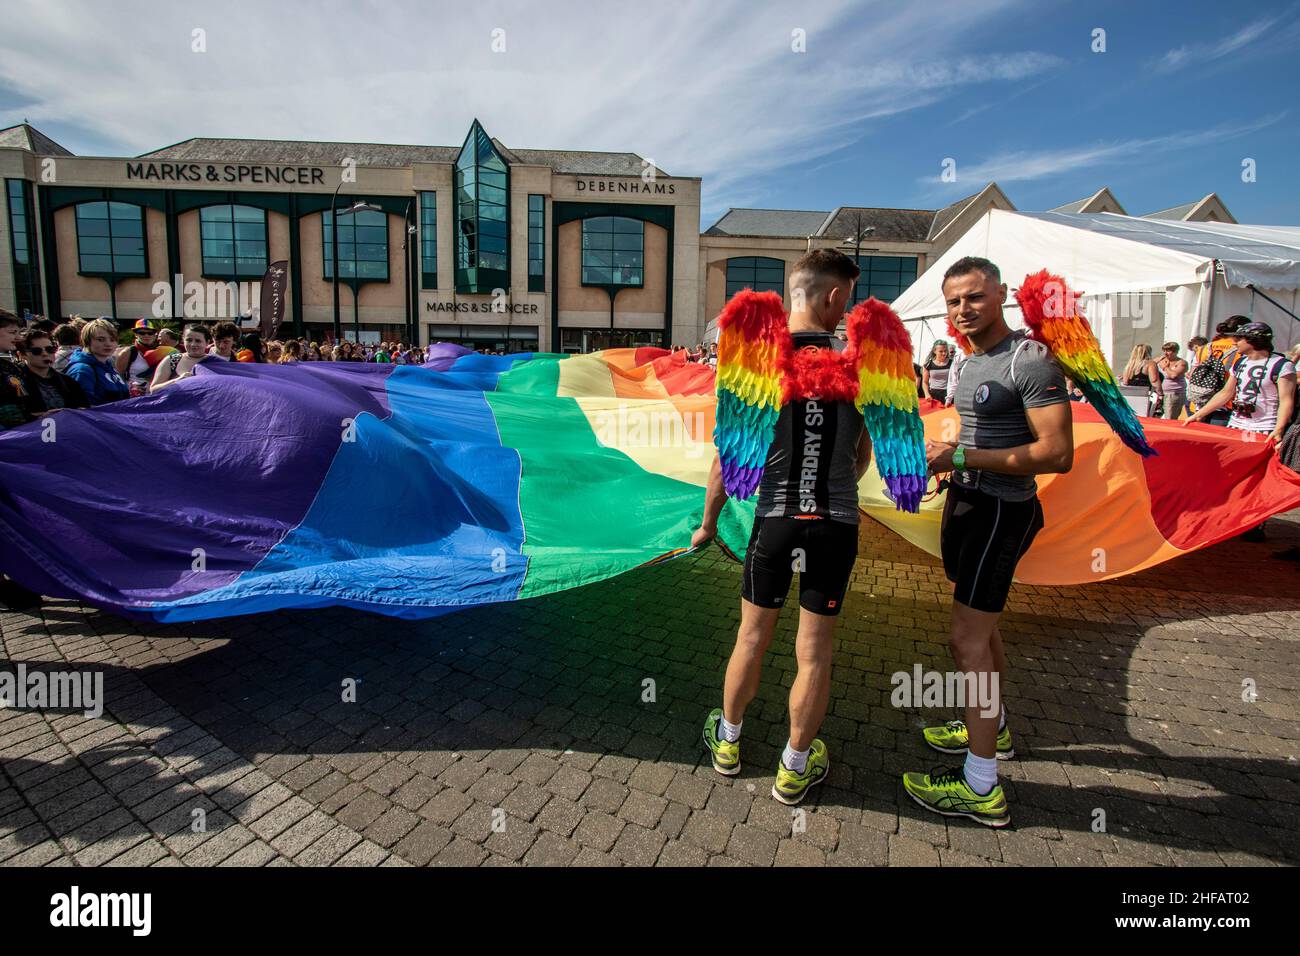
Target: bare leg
x: 811, y: 693
x: 972, y: 651
x: 757, y: 625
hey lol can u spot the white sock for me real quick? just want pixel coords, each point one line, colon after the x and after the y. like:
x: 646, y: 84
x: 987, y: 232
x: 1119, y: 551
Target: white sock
x: 981, y: 773
x: 728, y: 731
x: 1002, y: 719
x: 796, y: 760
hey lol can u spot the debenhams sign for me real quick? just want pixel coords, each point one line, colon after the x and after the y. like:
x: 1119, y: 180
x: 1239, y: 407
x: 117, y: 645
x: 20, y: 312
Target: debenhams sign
x: 226, y: 173
x: 642, y: 186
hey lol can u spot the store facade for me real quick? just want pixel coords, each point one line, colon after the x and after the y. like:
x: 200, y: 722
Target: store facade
x: 510, y: 250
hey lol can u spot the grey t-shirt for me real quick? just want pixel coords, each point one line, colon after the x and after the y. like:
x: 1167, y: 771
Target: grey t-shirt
x: 993, y: 390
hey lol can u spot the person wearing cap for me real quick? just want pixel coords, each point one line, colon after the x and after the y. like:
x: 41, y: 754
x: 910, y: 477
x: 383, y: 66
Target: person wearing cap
x: 131, y: 362
x: 1210, y: 373
x: 1260, y: 388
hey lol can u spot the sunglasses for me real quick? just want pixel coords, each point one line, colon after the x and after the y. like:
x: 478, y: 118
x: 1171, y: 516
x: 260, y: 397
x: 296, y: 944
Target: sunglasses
x: 43, y: 350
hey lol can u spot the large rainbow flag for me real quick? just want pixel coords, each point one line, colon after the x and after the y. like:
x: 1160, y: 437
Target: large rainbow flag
x: 405, y: 490
x: 413, y: 491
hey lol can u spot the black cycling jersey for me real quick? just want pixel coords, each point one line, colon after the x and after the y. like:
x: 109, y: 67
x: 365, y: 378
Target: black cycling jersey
x: 811, y: 468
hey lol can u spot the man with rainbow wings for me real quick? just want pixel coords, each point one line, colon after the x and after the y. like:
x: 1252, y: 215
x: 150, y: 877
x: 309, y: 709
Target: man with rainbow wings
x: 797, y: 417
x: 1015, y: 423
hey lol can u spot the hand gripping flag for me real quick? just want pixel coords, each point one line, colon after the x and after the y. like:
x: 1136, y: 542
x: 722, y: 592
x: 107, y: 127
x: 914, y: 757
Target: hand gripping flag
x: 759, y: 371
x: 1052, y: 314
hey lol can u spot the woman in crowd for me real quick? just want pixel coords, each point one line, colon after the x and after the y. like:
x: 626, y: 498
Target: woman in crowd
x: 1141, y: 372
x: 92, y: 365
x: 274, y: 352
x: 179, y: 365
x: 934, y: 372
x: 1173, y: 380
x: 292, y: 353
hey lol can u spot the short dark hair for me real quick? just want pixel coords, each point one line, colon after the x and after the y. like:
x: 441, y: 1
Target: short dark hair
x: 31, y: 335
x: 67, y: 334
x: 968, y: 264
x: 198, y: 327
x: 827, y: 262
x: 1261, y: 342
x: 1231, y: 324
x: 7, y: 318
x: 1196, y: 341
x: 225, y: 330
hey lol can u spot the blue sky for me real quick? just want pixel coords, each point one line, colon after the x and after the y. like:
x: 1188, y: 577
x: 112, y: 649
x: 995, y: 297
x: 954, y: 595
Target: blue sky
x: 867, y: 114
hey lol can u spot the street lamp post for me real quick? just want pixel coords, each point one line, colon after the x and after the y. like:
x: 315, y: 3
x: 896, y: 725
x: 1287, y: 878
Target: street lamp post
x: 856, y: 239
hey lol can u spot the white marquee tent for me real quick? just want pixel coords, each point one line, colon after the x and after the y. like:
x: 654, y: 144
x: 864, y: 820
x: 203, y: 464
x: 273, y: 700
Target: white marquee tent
x: 1143, y: 280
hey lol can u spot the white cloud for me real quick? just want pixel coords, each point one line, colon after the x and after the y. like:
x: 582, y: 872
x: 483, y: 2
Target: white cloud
x: 1024, y: 165
x: 707, y: 89
x: 1203, y: 53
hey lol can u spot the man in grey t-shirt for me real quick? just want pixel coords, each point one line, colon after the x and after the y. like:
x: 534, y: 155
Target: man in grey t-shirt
x: 1015, y: 424
x: 993, y: 391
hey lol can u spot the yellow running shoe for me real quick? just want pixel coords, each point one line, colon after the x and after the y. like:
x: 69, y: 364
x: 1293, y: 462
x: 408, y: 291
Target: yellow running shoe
x: 946, y: 792
x: 726, y: 755
x: 790, y: 787
x: 954, y: 738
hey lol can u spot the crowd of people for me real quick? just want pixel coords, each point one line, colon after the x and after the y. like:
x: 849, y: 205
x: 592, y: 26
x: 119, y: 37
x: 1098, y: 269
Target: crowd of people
x: 47, y: 366
x: 1237, y: 380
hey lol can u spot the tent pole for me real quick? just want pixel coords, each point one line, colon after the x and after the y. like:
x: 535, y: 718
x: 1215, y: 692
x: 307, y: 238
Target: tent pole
x: 1265, y: 295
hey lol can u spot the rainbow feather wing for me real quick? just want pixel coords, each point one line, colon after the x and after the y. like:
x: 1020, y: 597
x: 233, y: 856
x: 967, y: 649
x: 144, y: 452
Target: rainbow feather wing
x: 753, y: 346
x: 882, y: 350
x: 1051, y: 311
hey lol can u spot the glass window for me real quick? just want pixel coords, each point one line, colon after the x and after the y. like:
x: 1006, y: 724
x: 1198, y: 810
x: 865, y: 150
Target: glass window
x: 884, y: 277
x: 759, y: 273
x: 613, y: 251
x: 482, y: 215
x: 22, y: 241
x: 110, y: 239
x: 536, y: 243
x: 363, y: 245
x: 233, y: 240
x: 429, y: 240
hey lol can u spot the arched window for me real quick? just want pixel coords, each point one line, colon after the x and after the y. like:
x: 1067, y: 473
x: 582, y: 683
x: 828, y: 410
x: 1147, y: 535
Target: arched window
x: 363, y: 245
x: 110, y: 239
x: 760, y: 273
x: 613, y: 251
x: 234, y: 241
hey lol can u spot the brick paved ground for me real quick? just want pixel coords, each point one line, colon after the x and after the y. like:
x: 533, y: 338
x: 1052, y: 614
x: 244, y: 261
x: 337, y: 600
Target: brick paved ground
x: 1124, y: 697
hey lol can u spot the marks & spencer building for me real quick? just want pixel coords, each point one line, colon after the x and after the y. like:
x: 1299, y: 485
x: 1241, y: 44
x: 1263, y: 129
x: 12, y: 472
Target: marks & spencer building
x: 493, y: 247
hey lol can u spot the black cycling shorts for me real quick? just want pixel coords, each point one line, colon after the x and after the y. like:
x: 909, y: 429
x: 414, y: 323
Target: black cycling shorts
x: 982, y: 541
x: 821, y: 550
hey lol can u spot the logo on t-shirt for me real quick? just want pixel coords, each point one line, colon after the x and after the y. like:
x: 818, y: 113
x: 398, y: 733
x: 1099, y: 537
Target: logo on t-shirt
x: 982, y: 394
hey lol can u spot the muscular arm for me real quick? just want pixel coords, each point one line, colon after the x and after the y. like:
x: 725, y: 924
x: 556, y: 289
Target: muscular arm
x: 1050, y: 453
x: 714, y: 498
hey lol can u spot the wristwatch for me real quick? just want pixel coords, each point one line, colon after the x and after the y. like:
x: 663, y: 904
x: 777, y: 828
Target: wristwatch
x: 959, y: 458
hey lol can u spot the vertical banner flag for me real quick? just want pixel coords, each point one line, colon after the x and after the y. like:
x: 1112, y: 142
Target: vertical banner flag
x: 272, y: 305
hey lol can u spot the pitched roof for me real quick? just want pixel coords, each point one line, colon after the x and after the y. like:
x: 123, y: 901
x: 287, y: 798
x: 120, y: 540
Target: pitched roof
x: 1173, y: 212
x: 1076, y: 206
x: 948, y: 213
x: 24, y: 136
x: 905, y: 225
x: 284, y: 151
x: 768, y: 223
